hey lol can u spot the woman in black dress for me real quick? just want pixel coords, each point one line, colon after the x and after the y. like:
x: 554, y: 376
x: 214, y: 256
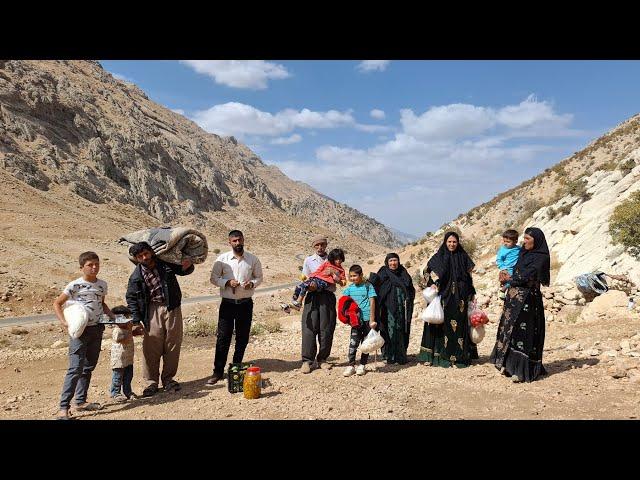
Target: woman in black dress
x: 520, y: 341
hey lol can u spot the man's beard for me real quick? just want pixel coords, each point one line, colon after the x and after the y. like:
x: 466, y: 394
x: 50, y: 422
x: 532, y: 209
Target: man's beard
x: 238, y: 248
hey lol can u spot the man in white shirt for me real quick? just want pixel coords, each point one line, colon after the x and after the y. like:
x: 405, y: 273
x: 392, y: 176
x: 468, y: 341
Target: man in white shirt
x: 237, y: 273
x: 319, y: 314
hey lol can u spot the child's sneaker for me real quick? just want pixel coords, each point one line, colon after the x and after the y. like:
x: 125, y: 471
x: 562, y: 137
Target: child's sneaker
x: 296, y: 305
x: 120, y: 398
x: 350, y: 370
x: 502, y: 295
x: 285, y: 307
x: 360, y: 370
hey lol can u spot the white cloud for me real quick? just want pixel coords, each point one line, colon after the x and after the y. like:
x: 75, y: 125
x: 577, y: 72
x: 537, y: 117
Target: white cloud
x: 239, y: 119
x: 442, y: 162
x: 377, y: 114
x: 252, y: 74
x: 373, y: 128
x: 178, y: 111
x: 295, y: 138
x: 373, y: 65
x: 447, y: 122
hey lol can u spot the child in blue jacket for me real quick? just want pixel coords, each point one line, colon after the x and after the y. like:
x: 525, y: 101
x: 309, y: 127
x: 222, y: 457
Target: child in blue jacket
x: 507, y: 256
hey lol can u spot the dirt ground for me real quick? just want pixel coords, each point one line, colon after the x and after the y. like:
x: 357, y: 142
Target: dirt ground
x: 578, y: 385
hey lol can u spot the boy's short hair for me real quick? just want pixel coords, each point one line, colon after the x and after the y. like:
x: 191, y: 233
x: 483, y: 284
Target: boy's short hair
x: 510, y: 235
x: 335, y: 254
x: 86, y: 256
x: 357, y: 269
x: 235, y: 233
x: 137, y: 248
x: 121, y: 310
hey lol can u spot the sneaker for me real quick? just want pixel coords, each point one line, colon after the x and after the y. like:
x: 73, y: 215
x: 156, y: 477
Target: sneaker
x: 361, y: 370
x: 326, y: 366
x: 88, y: 407
x: 502, y: 295
x: 63, y: 415
x: 120, y: 398
x: 515, y: 379
x: 350, y: 370
x: 285, y: 307
x: 306, y: 367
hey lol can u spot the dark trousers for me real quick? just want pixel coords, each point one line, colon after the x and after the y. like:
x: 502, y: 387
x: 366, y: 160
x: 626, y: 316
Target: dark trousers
x: 357, y: 336
x: 83, y: 358
x: 318, y: 320
x: 230, y: 315
x: 121, y: 381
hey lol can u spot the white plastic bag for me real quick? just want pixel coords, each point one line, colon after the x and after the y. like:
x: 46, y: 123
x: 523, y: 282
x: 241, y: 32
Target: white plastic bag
x: 430, y: 293
x: 477, y: 334
x: 77, y: 318
x: 423, y: 316
x: 434, y: 312
x: 373, y: 342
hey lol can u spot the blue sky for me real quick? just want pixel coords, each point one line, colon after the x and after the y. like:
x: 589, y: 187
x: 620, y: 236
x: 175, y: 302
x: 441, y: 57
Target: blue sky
x: 410, y: 143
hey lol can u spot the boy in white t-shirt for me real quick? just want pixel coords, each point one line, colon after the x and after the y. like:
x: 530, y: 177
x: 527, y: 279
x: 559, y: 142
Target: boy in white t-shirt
x: 89, y: 292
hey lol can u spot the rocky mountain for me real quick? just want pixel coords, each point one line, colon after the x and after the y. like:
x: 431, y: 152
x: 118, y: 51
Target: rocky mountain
x: 71, y: 123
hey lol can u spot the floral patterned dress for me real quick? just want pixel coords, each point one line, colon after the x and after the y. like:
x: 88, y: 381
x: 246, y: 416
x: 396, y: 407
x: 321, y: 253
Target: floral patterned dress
x: 449, y: 344
x: 520, y: 339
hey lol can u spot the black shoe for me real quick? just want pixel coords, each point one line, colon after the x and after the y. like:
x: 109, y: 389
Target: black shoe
x: 150, y: 391
x: 214, y: 379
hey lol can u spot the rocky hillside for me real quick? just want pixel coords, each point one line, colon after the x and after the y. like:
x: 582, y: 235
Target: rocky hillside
x: 71, y: 123
x: 571, y: 202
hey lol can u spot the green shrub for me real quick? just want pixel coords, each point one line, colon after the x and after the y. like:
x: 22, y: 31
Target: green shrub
x: 627, y: 166
x: 564, y: 210
x: 216, y: 250
x: 369, y: 262
x: 201, y: 328
x: 624, y: 226
x: 578, y: 188
x: 552, y: 212
x: 407, y: 265
x: 470, y: 246
x: 267, y: 326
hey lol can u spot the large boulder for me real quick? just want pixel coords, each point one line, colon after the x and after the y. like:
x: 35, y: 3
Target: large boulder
x: 612, y: 303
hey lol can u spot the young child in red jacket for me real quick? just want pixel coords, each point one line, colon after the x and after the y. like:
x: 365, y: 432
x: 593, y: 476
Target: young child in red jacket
x: 329, y: 273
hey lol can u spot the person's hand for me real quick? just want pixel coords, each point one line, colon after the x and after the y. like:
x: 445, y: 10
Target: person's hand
x: 64, y: 323
x: 248, y: 285
x: 312, y: 287
x: 373, y: 325
x: 336, y: 277
x: 186, y: 264
x: 137, y: 330
x: 233, y: 283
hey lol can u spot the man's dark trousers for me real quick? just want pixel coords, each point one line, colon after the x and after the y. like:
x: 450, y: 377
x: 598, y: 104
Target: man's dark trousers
x: 230, y: 315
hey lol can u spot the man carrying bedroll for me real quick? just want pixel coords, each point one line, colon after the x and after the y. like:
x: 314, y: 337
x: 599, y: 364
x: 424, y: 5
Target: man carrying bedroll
x: 154, y: 298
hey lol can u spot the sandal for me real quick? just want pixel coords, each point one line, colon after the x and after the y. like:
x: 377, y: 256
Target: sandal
x: 150, y: 390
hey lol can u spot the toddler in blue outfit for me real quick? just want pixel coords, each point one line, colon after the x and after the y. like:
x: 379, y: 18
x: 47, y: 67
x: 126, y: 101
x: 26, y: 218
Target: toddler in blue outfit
x: 507, y: 256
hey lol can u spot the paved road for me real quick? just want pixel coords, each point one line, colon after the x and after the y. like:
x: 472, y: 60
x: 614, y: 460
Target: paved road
x: 11, y: 321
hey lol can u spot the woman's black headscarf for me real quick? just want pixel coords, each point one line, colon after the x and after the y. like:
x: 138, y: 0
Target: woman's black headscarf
x: 452, y: 267
x: 536, y: 262
x: 389, y: 280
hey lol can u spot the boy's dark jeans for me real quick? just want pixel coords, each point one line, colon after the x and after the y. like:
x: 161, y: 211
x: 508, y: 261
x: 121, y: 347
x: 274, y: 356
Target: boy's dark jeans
x: 121, y: 381
x: 302, y: 288
x: 357, y: 336
x: 83, y: 358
